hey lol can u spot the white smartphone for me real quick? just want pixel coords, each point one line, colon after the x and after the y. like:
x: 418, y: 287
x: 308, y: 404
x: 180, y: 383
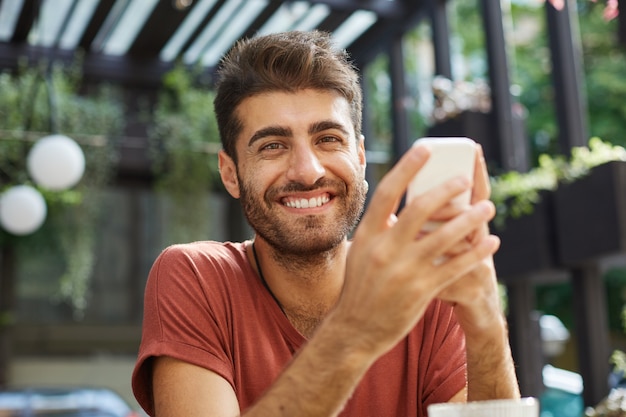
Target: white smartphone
x: 449, y: 158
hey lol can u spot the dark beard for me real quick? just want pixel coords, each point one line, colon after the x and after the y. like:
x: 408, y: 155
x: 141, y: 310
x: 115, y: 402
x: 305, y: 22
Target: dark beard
x: 311, y: 238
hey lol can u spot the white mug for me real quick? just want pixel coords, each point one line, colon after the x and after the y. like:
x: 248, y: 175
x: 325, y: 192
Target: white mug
x: 522, y: 407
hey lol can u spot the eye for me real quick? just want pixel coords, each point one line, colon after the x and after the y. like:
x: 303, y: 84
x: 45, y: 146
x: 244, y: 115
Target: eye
x: 329, y: 139
x: 271, y: 146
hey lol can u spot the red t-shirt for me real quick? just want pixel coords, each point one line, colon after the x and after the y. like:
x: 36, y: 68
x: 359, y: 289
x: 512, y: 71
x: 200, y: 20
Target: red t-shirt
x: 205, y: 305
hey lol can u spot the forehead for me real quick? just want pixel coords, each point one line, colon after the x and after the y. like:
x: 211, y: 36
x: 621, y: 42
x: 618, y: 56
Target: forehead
x: 294, y: 110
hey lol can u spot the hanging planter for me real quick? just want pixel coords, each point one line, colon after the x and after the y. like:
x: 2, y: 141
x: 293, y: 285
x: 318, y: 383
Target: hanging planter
x: 184, y: 146
x: 528, y: 244
x: 591, y: 215
x: 472, y: 124
x: 562, y: 212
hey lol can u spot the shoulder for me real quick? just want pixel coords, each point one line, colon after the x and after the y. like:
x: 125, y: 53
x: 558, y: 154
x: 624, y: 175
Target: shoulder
x: 198, y: 263
x: 191, y: 279
x: 204, y: 249
x: 197, y: 254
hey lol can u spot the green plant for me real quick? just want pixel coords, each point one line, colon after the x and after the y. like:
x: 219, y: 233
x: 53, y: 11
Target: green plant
x: 184, y: 144
x: 515, y: 193
x: 93, y: 121
x: 618, y: 357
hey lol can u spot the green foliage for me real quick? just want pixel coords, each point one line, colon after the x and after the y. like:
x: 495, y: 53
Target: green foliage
x: 617, y: 295
x: 184, y: 143
x: 515, y: 193
x: 556, y: 299
x: 378, y: 89
x: 468, y: 37
x: 93, y: 121
x: 531, y: 69
x: 418, y: 112
x: 615, y: 280
x: 604, y: 66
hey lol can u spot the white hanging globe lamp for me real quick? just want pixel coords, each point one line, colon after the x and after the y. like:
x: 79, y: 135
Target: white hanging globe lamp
x: 22, y: 210
x: 56, y: 162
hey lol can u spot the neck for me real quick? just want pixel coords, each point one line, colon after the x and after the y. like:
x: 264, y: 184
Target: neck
x: 305, y: 287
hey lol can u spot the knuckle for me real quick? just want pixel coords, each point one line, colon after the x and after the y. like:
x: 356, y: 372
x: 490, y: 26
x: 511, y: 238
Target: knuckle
x: 379, y: 257
x: 383, y: 193
x: 421, y: 204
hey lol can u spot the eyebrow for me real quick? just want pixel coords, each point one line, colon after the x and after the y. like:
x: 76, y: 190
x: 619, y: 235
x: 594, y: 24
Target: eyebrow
x: 287, y: 132
x: 270, y: 131
x: 326, y: 125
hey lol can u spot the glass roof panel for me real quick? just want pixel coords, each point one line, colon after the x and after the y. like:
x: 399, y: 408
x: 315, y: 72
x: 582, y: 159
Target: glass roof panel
x: 353, y: 27
x: 223, y: 17
x: 64, y: 22
x: 128, y: 26
x: 313, y: 18
x: 82, y: 15
x: 286, y: 15
x: 233, y: 31
x: 9, y: 13
x: 172, y: 47
x: 46, y: 29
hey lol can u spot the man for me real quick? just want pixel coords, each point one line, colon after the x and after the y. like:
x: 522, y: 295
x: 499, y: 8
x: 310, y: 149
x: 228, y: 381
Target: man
x: 302, y: 321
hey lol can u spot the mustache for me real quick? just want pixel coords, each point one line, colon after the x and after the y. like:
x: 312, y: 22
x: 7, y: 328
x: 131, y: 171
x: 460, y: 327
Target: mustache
x: 295, y: 187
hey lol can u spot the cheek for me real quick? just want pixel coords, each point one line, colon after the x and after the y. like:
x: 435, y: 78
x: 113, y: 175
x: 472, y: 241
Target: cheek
x: 253, y: 185
x: 356, y: 170
x: 346, y: 164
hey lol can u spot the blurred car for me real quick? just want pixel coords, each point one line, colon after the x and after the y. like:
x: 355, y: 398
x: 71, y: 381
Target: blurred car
x: 563, y: 394
x: 64, y: 402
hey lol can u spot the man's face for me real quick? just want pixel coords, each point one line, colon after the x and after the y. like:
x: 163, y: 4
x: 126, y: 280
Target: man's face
x: 301, y: 170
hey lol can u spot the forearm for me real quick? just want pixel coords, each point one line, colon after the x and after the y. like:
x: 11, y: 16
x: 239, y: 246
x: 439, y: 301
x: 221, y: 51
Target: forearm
x: 320, y: 379
x: 490, y: 368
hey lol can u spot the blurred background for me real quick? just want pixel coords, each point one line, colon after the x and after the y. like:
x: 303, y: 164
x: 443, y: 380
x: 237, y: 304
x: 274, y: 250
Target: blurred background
x: 108, y: 150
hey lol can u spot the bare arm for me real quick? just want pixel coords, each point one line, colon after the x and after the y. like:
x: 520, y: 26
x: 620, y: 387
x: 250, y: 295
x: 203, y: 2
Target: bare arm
x: 304, y: 389
x: 317, y: 383
x: 390, y: 280
x: 182, y: 389
x: 490, y: 368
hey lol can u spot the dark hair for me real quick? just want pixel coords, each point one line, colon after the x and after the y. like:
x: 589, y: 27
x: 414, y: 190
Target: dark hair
x: 289, y: 61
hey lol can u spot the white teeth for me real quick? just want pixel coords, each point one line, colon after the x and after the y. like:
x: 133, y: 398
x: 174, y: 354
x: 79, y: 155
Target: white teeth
x: 310, y: 203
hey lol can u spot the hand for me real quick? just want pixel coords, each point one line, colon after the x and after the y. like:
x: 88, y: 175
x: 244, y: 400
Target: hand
x: 476, y: 294
x: 490, y: 368
x: 391, y: 277
x: 481, y: 191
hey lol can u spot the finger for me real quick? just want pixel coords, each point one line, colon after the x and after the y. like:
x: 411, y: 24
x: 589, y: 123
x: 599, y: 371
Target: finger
x: 482, y: 188
x: 477, y: 283
x: 391, y: 188
x: 449, y: 234
x: 448, y: 212
x: 421, y: 209
x: 449, y: 269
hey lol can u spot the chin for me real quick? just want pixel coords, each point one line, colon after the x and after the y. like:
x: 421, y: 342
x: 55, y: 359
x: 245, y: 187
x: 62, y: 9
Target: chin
x: 305, y: 241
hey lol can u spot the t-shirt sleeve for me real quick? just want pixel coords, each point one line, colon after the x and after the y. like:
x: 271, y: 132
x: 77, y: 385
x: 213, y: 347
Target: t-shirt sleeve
x: 446, y: 373
x: 179, y: 320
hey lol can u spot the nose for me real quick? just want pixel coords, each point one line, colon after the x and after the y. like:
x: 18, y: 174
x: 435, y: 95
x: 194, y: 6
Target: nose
x: 305, y: 166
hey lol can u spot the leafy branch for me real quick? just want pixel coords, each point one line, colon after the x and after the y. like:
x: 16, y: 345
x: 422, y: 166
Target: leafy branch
x: 184, y: 146
x: 93, y: 121
x: 515, y: 193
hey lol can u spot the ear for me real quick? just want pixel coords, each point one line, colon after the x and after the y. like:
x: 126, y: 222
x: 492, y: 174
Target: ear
x: 228, y: 173
x: 361, y: 151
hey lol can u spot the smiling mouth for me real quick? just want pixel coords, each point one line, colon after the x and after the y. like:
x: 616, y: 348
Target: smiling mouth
x: 306, y: 202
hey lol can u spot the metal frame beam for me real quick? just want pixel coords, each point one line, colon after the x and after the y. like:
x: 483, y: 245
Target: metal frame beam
x: 567, y: 77
x: 438, y: 12
x: 150, y: 42
x: 513, y: 148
